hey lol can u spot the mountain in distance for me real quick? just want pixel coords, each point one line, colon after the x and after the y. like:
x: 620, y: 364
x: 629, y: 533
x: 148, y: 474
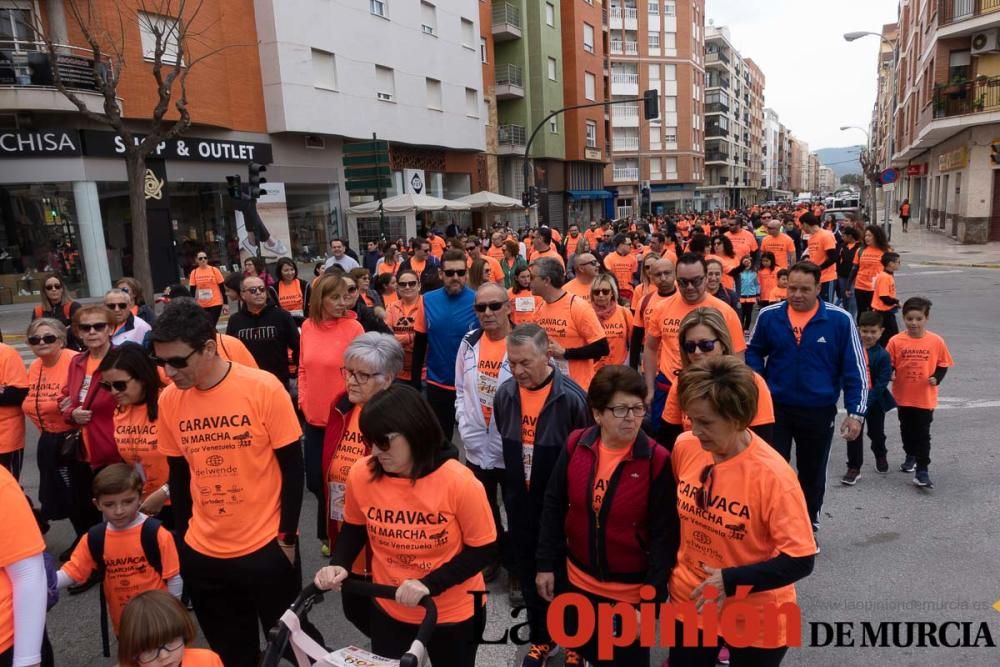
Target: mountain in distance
x: 843, y: 161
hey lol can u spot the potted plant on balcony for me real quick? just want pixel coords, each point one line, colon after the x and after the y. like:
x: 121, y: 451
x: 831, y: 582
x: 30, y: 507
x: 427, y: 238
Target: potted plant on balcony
x: 956, y: 87
x: 980, y: 102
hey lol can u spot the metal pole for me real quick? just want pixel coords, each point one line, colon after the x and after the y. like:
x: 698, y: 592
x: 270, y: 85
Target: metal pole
x: 378, y: 193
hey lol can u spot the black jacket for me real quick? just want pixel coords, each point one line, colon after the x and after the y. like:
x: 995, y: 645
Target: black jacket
x: 269, y: 336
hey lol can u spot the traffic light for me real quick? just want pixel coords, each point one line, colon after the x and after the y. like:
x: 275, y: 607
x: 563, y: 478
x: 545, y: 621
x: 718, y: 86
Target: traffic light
x: 995, y: 152
x: 235, y: 186
x: 256, y: 181
x: 651, y: 104
x: 645, y: 200
x: 526, y: 199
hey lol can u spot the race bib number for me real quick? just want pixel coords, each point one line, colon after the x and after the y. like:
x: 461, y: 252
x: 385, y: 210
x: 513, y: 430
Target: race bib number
x: 295, y: 313
x: 204, y: 295
x: 562, y: 365
x: 524, y: 304
x: 487, y: 390
x: 527, y: 455
x: 338, y: 492
x: 84, y: 388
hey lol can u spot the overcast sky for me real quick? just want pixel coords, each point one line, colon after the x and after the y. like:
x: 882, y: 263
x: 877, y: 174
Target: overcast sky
x: 814, y: 80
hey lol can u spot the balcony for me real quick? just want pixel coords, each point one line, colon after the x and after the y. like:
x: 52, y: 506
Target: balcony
x: 978, y: 96
x: 511, y: 139
x: 624, y: 83
x: 953, y: 11
x: 506, y: 22
x: 717, y: 82
x: 621, y: 48
x: 720, y: 157
x: 623, y: 18
x: 622, y: 174
x: 509, y: 83
x: 717, y: 58
x: 716, y: 131
x: 625, y: 144
x: 27, y: 81
x: 625, y: 115
x: 716, y: 107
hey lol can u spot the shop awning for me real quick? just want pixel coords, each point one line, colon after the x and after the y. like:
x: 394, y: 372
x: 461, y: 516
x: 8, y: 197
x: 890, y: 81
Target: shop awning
x: 588, y: 194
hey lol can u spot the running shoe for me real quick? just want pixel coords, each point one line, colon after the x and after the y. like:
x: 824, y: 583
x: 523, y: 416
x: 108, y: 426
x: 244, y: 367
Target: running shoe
x: 881, y: 465
x: 537, y: 655
x: 573, y: 659
x: 324, y: 549
x: 723, y: 657
x: 909, y: 465
x: 923, y: 480
x: 851, y: 478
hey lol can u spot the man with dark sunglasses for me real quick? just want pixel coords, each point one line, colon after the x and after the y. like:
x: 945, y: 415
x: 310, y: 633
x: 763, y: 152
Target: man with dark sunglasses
x: 231, y: 438
x: 586, y: 267
x: 128, y: 328
x: 268, y: 331
x: 446, y: 317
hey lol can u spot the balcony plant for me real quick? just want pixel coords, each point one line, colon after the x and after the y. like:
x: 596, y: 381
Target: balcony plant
x: 980, y: 102
x: 956, y: 87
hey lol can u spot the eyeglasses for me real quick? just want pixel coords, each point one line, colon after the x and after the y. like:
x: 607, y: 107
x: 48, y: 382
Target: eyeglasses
x: 493, y: 305
x: 704, y: 345
x: 153, y: 654
x: 704, y: 496
x: 352, y: 290
x: 48, y: 339
x: 601, y: 292
x: 691, y: 282
x: 620, y: 411
x: 53, y: 286
x: 406, y: 283
x: 117, y: 385
x: 451, y: 273
x: 116, y: 306
x: 470, y: 248
x: 358, y: 376
x: 174, y: 362
x: 255, y: 290
x: 202, y: 257
x: 97, y: 326
x: 592, y: 262
x: 383, y: 442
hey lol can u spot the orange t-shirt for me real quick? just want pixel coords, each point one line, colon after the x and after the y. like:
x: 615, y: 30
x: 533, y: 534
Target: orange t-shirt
x: 45, y: 387
x: 321, y: 356
x: 755, y: 510
x: 19, y: 539
x: 496, y: 271
x: 869, y: 262
x: 524, y: 306
x: 127, y: 573
x: 572, y: 323
x: 915, y: 360
x: 351, y: 449
x: 139, y: 444
x: 622, y: 268
x: 438, y: 245
x: 291, y: 298
x: 728, y: 264
x: 645, y: 306
x: 672, y: 413
x: 389, y: 298
x: 200, y: 657
x: 618, y: 331
x: 12, y: 374
x: 778, y: 294
x: 768, y: 279
x: 532, y: 402
x: 204, y: 283
x: 496, y: 252
x: 491, y: 354
x: 800, y: 320
x: 884, y: 285
x: 577, y: 288
x: 401, y: 317
x: 637, y: 294
x: 232, y: 348
x: 418, y: 265
x: 821, y: 241
x: 551, y: 252
x: 744, y: 243
x: 387, y: 267
x: 228, y: 434
x: 415, y: 527
x: 665, y: 323
x: 780, y: 245
x: 571, y: 244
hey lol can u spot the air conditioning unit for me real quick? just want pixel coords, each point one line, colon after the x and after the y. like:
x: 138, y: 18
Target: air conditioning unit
x: 385, y: 97
x: 987, y: 41
x: 428, y: 29
x: 315, y: 142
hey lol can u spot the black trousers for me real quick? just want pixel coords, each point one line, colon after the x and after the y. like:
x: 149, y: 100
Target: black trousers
x: 83, y: 514
x: 312, y: 459
x: 704, y: 656
x: 443, y: 404
x: 864, y: 300
x: 55, y: 491
x: 915, y: 431
x: 494, y: 481
x: 13, y: 461
x: 358, y: 608
x: 875, y: 423
x: 828, y: 291
x: 811, y: 429
x: 235, y: 598
x: 746, y: 314
x: 451, y: 645
x: 890, y: 325
x: 633, y: 655
x: 214, y: 313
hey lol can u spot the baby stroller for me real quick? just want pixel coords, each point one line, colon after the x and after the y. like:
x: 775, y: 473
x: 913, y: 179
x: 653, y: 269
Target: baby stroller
x: 308, y: 653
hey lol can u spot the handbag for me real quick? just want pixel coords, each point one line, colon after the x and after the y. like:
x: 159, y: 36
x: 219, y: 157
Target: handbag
x: 72, y: 448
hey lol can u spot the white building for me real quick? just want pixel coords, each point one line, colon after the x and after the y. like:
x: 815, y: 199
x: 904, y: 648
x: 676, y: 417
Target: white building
x: 771, y: 147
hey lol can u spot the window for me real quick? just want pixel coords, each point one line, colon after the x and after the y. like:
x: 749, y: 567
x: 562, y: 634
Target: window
x: 654, y: 41
x: 324, y: 68
x: 428, y: 18
x: 588, y: 38
x: 589, y: 86
x: 468, y: 34
x: 550, y: 14
x: 670, y: 103
x: 591, y: 134
x: 669, y: 9
x: 471, y: 102
x: 385, y: 83
x: 655, y: 169
x: 654, y: 72
x: 553, y: 126
x: 670, y: 135
x: 654, y: 138
x: 552, y: 69
x: 483, y: 50
x: 654, y: 7
x: 670, y: 40
x: 671, y: 72
x: 16, y: 26
x: 434, y: 94
x: 377, y: 7
x: 670, y: 172
x: 959, y: 64
x: 156, y: 29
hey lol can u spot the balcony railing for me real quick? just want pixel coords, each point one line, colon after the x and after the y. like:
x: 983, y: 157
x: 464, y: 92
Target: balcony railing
x: 716, y: 107
x: 506, y: 21
x: 716, y: 156
x: 716, y: 56
x: 623, y: 17
x: 509, y: 75
x: 625, y: 144
x: 975, y: 96
x: 717, y: 82
x: 27, y: 64
x: 622, y: 48
x: 625, y: 78
x: 716, y: 131
x: 511, y: 135
x: 952, y: 11
x: 625, y: 173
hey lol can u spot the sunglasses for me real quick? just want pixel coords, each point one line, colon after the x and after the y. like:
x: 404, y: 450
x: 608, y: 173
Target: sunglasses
x: 601, y: 292
x: 493, y: 305
x: 97, y: 326
x: 691, y: 282
x: 117, y: 385
x: 52, y: 286
x: 255, y: 290
x: 406, y: 283
x: 116, y: 306
x: 173, y: 362
x: 704, y: 496
x: 704, y: 345
x: 201, y: 258
x: 48, y: 339
x: 383, y: 442
x: 451, y: 273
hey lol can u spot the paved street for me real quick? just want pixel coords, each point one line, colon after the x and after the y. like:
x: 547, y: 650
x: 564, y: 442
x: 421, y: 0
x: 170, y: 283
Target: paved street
x: 890, y: 551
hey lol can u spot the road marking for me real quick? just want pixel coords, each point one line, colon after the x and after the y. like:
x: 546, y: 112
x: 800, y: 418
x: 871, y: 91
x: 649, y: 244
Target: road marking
x: 929, y: 273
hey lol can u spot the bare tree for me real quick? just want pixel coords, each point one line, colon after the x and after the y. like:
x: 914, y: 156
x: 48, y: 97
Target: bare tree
x: 870, y: 167
x: 177, y: 31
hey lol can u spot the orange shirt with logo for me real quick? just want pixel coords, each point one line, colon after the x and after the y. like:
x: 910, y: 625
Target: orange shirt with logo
x: 618, y: 331
x: 401, y: 318
x: 491, y: 354
x: 672, y: 413
x: 19, y: 539
x: 646, y: 305
x: 232, y: 348
x: 744, y: 243
x: 820, y: 242
x: 665, y: 323
x: 45, y: 387
x: 572, y: 323
x: 780, y: 245
x: 415, y: 527
x: 532, y: 402
x: 127, y: 573
x: 12, y: 374
x: 754, y: 511
x: 321, y: 358
x: 884, y: 285
x: 524, y: 306
x: 228, y: 434
x: 622, y: 268
x: 438, y: 245
x: 139, y: 444
x: 915, y: 360
x: 799, y: 320
x: 351, y: 449
x: 869, y: 263
x: 204, y: 283
x: 578, y: 289
x: 291, y: 298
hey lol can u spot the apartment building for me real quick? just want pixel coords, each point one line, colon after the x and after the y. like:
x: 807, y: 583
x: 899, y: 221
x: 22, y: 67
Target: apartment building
x: 945, y: 116
x: 827, y: 180
x: 655, y: 44
x: 797, y: 157
x: 754, y: 104
x: 774, y: 176
x: 63, y: 180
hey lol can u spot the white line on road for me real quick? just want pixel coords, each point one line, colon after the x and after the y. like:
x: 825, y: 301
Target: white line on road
x: 929, y: 273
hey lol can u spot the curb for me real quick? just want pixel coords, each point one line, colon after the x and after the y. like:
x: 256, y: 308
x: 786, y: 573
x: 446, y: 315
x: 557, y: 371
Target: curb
x: 970, y: 265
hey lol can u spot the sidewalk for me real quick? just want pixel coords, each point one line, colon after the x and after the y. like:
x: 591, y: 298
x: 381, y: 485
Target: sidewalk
x: 922, y: 245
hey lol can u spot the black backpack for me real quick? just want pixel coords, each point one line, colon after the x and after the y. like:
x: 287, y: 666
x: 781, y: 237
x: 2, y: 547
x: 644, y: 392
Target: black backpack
x: 150, y: 549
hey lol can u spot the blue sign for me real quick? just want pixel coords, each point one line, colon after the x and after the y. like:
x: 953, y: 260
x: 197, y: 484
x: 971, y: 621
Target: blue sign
x: 889, y: 176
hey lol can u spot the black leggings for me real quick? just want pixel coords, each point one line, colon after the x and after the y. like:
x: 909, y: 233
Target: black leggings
x: 633, y: 655
x: 863, y: 299
x: 214, y: 313
x: 13, y: 461
x: 451, y: 645
x: 82, y: 514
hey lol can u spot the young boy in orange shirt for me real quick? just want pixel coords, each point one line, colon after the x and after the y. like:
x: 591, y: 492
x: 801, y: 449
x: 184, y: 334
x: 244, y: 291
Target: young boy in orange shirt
x: 780, y: 291
x: 920, y: 359
x: 884, y: 299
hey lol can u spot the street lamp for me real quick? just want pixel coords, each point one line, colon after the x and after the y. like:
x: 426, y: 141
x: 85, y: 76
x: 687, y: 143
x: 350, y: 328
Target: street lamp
x: 855, y: 127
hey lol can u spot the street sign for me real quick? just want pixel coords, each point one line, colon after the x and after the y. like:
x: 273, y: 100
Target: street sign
x: 889, y: 187
x: 888, y: 176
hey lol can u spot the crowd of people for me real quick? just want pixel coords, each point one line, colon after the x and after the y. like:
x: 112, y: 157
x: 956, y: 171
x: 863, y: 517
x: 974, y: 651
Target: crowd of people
x: 626, y: 398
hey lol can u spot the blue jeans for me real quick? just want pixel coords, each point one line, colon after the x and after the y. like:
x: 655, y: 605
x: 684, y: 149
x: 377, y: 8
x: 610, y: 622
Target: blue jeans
x: 848, y: 303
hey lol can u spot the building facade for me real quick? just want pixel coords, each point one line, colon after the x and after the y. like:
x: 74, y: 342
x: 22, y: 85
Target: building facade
x: 827, y: 180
